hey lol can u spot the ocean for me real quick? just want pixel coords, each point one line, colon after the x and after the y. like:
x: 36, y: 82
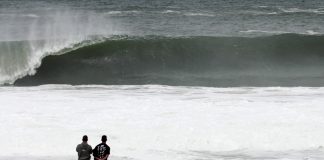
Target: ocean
x: 163, y: 79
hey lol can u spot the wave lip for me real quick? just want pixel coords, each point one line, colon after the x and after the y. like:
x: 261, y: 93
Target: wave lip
x: 27, y: 55
x: 25, y: 43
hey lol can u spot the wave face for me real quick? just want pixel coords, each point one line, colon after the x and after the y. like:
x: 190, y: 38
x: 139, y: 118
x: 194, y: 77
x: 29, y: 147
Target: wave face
x: 280, y: 60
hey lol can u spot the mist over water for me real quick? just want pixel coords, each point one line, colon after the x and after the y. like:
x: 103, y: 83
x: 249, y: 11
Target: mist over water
x: 26, y: 38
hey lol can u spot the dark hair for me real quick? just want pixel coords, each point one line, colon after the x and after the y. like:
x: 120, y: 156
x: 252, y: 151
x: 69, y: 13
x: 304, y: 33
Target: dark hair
x: 104, y: 138
x: 85, y: 138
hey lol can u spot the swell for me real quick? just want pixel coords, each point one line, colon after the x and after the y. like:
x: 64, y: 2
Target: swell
x: 280, y: 60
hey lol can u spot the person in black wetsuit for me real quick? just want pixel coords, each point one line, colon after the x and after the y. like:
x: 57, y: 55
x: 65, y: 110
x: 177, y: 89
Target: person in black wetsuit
x: 102, y: 150
x: 84, y: 149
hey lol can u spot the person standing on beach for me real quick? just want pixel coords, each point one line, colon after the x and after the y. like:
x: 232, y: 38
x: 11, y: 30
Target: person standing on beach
x: 84, y: 149
x: 102, y: 150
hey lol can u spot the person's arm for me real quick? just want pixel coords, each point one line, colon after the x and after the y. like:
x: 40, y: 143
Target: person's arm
x: 96, y: 158
x: 94, y: 153
x: 78, y: 150
x: 106, y: 157
x: 107, y: 152
x: 90, y: 149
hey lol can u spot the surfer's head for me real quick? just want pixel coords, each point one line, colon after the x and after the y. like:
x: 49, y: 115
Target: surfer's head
x: 85, y: 138
x: 104, y: 138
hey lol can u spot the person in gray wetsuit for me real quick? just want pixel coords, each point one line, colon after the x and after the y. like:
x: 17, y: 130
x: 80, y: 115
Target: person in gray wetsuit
x: 84, y: 149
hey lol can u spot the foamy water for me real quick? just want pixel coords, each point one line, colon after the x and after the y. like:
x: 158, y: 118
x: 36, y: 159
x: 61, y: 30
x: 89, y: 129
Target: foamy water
x: 161, y: 122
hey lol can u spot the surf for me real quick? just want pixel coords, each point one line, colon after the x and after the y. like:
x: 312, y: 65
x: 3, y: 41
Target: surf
x: 279, y: 60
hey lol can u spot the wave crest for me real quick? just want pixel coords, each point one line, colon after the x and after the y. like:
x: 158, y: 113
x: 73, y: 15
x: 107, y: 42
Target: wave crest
x: 282, y: 60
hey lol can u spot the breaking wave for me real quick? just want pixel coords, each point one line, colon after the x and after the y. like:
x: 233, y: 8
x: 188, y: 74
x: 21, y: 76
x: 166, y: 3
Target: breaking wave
x: 278, y: 60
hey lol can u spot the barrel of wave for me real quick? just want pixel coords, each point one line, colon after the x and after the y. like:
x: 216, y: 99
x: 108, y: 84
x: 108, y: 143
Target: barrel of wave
x: 50, y: 33
x: 19, y: 58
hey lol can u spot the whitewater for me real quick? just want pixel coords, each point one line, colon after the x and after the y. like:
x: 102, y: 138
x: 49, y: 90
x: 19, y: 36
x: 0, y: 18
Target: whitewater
x: 163, y: 122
